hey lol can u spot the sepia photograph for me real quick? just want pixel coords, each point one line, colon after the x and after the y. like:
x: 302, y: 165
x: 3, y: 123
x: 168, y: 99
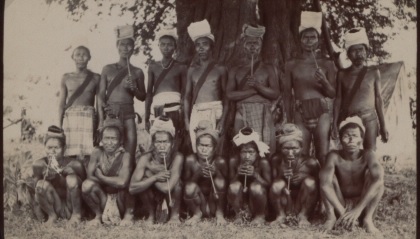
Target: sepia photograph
x: 209, y: 119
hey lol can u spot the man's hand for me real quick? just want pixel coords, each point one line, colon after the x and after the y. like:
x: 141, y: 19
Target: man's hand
x: 349, y: 219
x: 288, y: 172
x: 251, y: 82
x: 130, y: 84
x: 321, y: 77
x: 163, y: 176
x: 154, y: 168
x: 208, y: 170
x: 67, y: 171
x: 384, y: 135
x: 298, y: 178
x: 247, y: 170
x: 98, y: 173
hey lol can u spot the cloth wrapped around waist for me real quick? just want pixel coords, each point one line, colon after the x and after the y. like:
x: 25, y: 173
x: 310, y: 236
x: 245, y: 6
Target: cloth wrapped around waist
x: 311, y: 110
x: 111, y: 214
x: 166, y: 102
x: 122, y: 111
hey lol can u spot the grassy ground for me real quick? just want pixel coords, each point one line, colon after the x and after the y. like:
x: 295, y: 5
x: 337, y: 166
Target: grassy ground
x: 396, y: 218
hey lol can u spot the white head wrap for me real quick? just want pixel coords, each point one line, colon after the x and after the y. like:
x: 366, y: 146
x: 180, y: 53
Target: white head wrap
x: 355, y: 119
x: 355, y: 36
x: 289, y: 132
x: 171, y: 32
x: 310, y: 20
x: 241, y: 138
x: 124, y: 32
x: 162, y: 125
x: 200, y: 29
x: 248, y: 30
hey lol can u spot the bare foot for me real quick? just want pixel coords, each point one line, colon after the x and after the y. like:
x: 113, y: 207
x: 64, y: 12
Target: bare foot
x: 328, y: 225
x: 174, y: 221
x: 193, y: 220
x: 94, y: 222
x: 258, y: 221
x: 127, y: 222
x: 220, y: 220
x: 51, y: 221
x: 370, y: 227
x: 303, y: 222
x: 74, y: 221
x: 279, y: 222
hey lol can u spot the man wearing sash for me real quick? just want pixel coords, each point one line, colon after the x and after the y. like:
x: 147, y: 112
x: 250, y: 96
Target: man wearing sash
x: 76, y: 112
x: 106, y: 188
x: 250, y: 176
x: 359, y: 91
x: 120, y: 82
x: 206, y: 84
x: 156, y: 178
x: 58, y: 179
x: 253, y: 86
x: 295, y: 176
x: 205, y: 176
x: 166, y: 82
x: 312, y: 80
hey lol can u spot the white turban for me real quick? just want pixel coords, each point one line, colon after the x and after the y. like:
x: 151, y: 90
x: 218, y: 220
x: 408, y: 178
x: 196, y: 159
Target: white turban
x: 162, y: 125
x: 241, y: 138
x: 289, y: 132
x: 310, y: 20
x: 355, y: 119
x: 248, y: 30
x: 355, y: 36
x: 124, y: 32
x: 200, y: 29
x: 171, y: 32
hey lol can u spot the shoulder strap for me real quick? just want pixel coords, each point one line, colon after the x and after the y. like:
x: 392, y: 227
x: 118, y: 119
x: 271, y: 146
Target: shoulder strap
x: 243, y: 80
x: 201, y: 81
x: 79, y: 90
x: 116, y: 81
x: 116, y: 165
x: 346, y: 103
x: 162, y: 76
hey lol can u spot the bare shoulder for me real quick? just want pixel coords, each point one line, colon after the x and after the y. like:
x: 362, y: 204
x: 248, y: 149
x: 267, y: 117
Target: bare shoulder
x: 220, y: 162
x: 192, y: 158
x: 311, y: 162
x: 264, y: 162
x: 108, y: 68
x: 152, y: 65
x: 136, y: 69
x: 179, y: 155
x: 333, y: 156
x: 144, y: 158
x: 96, y: 78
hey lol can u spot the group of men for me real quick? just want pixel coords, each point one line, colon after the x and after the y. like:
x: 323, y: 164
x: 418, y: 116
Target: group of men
x: 265, y: 170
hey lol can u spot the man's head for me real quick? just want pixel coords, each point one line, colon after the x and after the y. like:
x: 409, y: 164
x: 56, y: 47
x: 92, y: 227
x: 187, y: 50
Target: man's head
x: 125, y: 40
x: 310, y: 29
x: 252, y: 36
x: 162, y: 132
x: 290, y: 139
x: 246, y: 139
x: 55, y: 142
x: 81, y: 56
x: 351, y: 133
x: 248, y: 152
x: 206, y: 139
x: 203, y: 48
x: 200, y: 33
x: 356, y: 43
x: 112, y: 135
x: 167, y: 38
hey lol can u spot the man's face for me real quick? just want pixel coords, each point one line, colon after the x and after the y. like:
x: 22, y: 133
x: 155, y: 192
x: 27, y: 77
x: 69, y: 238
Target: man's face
x: 203, y: 47
x: 291, y: 150
x: 53, y: 147
x: 357, y: 54
x: 125, y: 47
x: 309, y: 40
x: 162, y: 144
x: 111, y: 140
x: 351, y: 140
x: 248, y: 154
x: 81, y: 57
x: 167, y: 46
x: 205, y: 147
x: 252, y: 46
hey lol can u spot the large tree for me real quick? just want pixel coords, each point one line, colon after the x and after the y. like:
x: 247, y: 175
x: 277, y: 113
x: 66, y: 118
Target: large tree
x: 280, y: 17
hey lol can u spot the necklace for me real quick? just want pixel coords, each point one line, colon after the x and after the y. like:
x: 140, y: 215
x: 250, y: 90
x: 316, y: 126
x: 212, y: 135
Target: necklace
x: 169, y: 65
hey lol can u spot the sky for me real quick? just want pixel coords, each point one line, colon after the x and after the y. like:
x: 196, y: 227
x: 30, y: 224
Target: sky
x: 39, y: 39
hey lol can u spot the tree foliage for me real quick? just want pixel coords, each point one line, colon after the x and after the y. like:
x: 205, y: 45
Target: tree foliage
x: 341, y: 15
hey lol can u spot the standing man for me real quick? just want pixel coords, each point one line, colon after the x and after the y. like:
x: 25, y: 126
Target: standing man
x: 205, y: 176
x: 206, y: 84
x: 120, y: 82
x: 156, y: 178
x: 295, y: 178
x: 254, y: 86
x: 58, y: 179
x: 352, y: 180
x: 106, y: 188
x: 359, y: 91
x: 250, y: 175
x: 76, y: 112
x: 312, y: 80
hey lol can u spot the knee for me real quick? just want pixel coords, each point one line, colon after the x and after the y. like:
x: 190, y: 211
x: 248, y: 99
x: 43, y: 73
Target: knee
x: 235, y: 188
x: 256, y: 189
x: 72, y: 181
x: 278, y: 187
x: 87, y: 186
x: 42, y: 186
x: 310, y: 184
x: 220, y: 184
x: 190, y: 189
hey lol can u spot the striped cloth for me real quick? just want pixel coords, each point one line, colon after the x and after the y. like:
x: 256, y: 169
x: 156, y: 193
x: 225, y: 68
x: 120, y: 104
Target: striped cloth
x: 258, y: 117
x: 78, y: 126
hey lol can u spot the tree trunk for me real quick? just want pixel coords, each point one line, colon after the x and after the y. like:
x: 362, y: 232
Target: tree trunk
x: 280, y: 17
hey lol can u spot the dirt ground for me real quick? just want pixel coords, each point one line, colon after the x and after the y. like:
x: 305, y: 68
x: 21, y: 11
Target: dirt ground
x: 396, y: 218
